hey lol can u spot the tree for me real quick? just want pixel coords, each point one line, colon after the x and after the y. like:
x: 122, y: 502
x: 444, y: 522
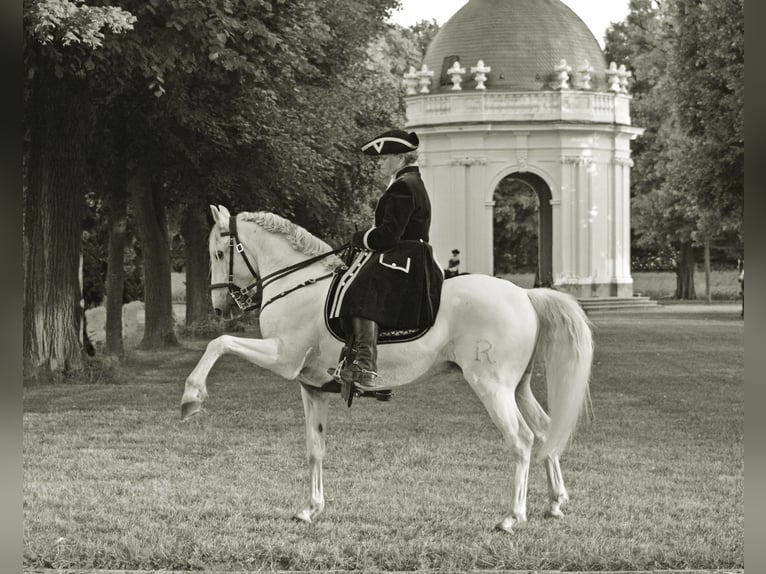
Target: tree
x: 670, y: 48
x: 60, y: 38
x: 256, y: 104
x: 515, y: 231
x: 708, y: 63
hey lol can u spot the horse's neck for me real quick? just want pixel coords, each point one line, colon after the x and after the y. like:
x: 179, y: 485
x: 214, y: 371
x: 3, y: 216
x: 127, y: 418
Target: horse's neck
x: 275, y: 253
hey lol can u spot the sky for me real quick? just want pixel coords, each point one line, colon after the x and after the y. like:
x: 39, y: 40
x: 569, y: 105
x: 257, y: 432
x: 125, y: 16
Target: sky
x: 597, y: 14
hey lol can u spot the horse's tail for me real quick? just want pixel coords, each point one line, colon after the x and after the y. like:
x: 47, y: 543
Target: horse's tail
x: 565, y: 343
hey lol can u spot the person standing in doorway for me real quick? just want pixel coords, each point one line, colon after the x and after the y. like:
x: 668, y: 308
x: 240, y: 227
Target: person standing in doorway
x: 453, y: 265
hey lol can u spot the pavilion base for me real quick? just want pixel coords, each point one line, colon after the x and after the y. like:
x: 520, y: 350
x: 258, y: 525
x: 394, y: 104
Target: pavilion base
x: 594, y: 290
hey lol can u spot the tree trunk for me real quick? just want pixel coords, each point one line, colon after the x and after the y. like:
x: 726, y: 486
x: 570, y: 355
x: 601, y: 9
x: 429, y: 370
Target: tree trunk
x: 52, y: 227
x: 118, y: 226
x: 685, y: 272
x: 708, y: 295
x: 159, y: 327
x: 195, y: 228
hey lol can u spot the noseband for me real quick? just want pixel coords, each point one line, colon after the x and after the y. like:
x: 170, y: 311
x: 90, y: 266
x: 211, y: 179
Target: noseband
x: 245, y: 299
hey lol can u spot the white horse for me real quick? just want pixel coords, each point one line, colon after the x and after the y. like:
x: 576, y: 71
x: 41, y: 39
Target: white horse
x: 489, y: 327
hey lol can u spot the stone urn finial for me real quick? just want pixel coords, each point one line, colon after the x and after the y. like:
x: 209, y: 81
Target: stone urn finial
x: 583, y: 76
x: 410, y: 81
x: 561, y: 82
x: 623, y: 75
x: 425, y: 76
x: 456, y: 75
x: 613, y: 78
x: 480, y: 72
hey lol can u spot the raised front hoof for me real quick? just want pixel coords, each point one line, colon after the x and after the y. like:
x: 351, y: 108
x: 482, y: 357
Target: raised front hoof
x: 190, y: 409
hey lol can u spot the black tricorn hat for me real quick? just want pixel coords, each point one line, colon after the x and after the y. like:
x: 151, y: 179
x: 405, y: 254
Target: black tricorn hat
x: 456, y: 252
x: 392, y: 141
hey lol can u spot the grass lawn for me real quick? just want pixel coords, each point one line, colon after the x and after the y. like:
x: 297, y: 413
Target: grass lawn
x: 113, y: 480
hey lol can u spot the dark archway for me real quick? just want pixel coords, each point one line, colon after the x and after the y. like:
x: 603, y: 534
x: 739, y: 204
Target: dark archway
x: 523, y: 209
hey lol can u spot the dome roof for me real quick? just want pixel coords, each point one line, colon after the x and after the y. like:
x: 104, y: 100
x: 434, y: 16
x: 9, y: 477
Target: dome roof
x: 522, y: 41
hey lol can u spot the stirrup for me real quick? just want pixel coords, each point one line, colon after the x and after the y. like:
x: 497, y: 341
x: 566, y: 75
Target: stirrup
x: 360, y: 377
x: 335, y: 372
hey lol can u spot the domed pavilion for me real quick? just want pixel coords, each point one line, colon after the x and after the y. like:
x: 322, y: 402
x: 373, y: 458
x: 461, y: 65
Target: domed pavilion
x: 520, y: 89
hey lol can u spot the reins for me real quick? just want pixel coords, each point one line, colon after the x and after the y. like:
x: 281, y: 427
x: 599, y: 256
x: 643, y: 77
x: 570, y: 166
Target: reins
x: 241, y: 295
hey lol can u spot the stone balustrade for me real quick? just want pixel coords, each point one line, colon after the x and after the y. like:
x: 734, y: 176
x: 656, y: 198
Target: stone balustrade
x: 617, y: 78
x: 487, y: 107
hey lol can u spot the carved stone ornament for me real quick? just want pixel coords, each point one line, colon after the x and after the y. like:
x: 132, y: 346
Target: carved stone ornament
x: 424, y: 76
x: 561, y: 81
x: 480, y: 72
x: 583, y: 76
x: 410, y: 81
x: 456, y: 75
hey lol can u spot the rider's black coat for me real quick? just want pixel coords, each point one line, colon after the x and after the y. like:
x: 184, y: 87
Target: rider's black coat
x: 399, y: 287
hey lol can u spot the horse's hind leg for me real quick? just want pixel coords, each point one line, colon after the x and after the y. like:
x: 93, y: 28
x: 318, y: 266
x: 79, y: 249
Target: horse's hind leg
x: 498, y: 398
x: 538, y: 421
x: 315, y: 407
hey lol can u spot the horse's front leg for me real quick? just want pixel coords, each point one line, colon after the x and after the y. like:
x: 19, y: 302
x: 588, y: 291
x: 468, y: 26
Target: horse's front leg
x: 262, y: 352
x: 315, y: 406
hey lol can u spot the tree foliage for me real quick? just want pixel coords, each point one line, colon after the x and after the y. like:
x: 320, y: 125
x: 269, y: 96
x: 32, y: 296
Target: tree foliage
x: 256, y: 104
x: 708, y: 60
x: 516, y: 227
x: 688, y: 70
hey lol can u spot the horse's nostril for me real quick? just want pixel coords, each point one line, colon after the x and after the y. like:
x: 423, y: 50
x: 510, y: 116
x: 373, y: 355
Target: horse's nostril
x: 218, y: 312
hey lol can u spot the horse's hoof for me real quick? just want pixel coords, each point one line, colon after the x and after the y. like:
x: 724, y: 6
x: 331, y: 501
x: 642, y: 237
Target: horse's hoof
x: 304, y: 516
x: 509, y: 524
x: 501, y: 527
x: 554, y: 514
x: 190, y: 409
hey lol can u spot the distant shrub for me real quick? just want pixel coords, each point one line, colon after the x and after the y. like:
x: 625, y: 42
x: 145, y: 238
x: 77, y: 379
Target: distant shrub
x: 653, y: 262
x: 100, y: 369
x: 212, y: 327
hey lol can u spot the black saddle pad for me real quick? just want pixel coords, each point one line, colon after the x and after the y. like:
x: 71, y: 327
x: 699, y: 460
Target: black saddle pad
x: 334, y: 324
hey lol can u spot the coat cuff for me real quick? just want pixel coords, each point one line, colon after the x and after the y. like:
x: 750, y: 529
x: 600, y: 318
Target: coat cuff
x: 359, y: 239
x: 365, y: 239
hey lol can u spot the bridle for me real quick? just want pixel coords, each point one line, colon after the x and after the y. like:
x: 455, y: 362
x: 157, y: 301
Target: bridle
x: 244, y: 297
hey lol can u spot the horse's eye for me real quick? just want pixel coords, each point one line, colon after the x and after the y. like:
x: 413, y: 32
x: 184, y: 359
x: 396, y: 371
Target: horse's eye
x: 219, y: 255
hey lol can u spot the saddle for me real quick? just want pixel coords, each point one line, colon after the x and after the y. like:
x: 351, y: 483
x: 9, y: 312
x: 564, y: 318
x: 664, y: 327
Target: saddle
x: 333, y: 324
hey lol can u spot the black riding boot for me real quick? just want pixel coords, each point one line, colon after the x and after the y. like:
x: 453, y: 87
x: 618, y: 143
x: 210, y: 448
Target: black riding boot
x: 362, y: 370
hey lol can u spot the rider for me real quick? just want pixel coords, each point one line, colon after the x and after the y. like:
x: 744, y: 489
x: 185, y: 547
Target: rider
x: 398, y: 282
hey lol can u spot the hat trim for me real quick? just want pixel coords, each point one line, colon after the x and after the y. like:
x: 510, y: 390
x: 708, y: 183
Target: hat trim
x: 380, y: 142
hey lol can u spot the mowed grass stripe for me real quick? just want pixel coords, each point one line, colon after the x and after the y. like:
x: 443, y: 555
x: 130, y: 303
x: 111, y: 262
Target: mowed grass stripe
x: 113, y: 480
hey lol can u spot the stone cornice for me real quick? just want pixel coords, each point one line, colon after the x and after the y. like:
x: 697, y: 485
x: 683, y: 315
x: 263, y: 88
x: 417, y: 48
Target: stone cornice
x: 469, y: 161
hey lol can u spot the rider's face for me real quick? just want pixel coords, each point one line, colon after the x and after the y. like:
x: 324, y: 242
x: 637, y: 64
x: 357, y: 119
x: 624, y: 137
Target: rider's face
x: 388, y: 164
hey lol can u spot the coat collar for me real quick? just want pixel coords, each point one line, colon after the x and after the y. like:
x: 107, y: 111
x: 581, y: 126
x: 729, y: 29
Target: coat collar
x: 411, y: 168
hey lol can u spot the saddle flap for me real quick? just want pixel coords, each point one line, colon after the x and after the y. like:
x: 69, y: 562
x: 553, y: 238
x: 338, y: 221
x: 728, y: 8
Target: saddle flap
x: 335, y: 328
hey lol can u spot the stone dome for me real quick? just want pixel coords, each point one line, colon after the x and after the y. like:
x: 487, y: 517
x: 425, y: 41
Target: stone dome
x: 522, y: 41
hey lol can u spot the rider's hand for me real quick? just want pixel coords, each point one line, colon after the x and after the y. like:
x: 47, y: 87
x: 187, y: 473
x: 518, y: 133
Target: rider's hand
x: 357, y: 239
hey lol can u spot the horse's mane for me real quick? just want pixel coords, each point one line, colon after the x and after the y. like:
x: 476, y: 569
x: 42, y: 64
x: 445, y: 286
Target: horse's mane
x: 298, y: 238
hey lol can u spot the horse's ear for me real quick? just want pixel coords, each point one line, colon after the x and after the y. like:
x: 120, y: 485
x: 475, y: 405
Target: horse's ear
x: 220, y: 215
x: 224, y: 214
x: 215, y: 214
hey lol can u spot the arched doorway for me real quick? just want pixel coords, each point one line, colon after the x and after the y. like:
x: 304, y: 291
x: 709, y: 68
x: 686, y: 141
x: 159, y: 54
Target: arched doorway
x: 522, y: 231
